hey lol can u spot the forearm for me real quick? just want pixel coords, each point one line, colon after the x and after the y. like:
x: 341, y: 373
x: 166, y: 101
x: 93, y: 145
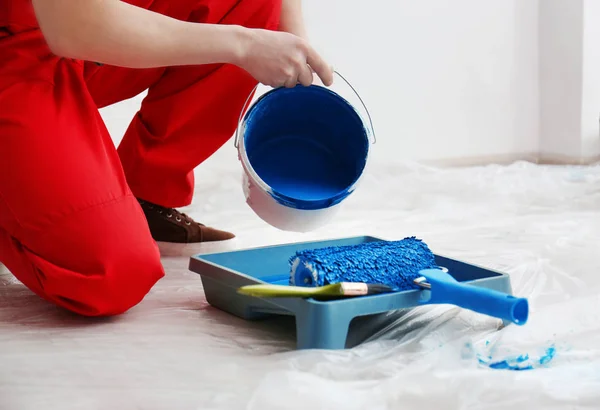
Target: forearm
x: 292, y: 18
x: 116, y: 33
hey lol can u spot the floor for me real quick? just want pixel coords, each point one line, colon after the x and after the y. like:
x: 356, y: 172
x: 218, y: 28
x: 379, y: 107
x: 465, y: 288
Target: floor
x: 174, y: 351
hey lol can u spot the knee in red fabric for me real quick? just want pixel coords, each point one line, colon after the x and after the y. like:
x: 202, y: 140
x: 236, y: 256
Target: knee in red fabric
x: 97, y: 262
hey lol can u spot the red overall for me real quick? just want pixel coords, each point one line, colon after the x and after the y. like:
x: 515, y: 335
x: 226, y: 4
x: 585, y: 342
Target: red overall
x: 71, y: 229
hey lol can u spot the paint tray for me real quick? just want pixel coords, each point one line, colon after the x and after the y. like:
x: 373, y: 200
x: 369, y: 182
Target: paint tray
x: 319, y: 324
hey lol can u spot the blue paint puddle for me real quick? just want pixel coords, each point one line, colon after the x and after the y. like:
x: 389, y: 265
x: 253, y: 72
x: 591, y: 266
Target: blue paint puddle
x: 520, y: 362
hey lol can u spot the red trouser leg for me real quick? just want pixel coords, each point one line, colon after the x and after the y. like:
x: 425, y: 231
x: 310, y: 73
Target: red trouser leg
x: 189, y: 112
x: 70, y: 229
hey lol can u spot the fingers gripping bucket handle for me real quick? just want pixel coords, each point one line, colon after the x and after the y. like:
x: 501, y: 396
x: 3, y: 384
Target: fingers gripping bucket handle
x: 303, y: 151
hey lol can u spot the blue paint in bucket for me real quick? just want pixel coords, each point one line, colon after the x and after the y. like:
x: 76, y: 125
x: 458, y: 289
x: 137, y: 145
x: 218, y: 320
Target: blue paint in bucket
x: 308, y: 144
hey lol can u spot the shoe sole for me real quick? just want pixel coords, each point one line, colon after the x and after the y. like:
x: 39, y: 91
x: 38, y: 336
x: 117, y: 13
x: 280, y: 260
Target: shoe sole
x: 170, y: 249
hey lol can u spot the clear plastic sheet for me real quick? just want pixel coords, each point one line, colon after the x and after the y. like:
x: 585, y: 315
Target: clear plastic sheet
x: 174, y: 351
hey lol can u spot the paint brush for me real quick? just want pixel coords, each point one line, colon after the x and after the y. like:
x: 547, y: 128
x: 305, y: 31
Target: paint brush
x: 341, y: 289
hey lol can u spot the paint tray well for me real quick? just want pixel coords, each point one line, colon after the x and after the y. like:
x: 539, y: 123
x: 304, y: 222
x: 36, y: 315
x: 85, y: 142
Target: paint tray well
x: 319, y: 324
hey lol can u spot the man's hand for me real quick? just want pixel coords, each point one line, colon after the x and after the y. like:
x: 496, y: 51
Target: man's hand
x: 283, y: 59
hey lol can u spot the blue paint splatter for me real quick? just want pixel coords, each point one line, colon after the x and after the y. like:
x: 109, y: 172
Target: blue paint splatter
x: 550, y: 352
x: 521, y: 362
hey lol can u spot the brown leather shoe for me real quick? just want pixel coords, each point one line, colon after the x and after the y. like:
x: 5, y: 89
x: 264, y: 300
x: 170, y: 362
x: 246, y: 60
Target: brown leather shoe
x: 170, y: 225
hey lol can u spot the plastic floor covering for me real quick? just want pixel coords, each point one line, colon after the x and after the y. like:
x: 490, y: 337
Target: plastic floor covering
x: 174, y: 351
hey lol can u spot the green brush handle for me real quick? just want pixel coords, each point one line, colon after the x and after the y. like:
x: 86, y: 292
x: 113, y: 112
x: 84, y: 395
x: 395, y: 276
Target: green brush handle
x: 282, y: 291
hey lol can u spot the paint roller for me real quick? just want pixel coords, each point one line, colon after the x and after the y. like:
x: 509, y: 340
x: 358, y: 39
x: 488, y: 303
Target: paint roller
x: 407, y: 264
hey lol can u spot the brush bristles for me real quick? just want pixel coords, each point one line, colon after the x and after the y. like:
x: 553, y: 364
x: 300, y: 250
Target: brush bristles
x: 377, y: 288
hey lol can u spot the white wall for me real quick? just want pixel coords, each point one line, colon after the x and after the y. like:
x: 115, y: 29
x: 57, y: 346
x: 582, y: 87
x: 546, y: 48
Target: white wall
x: 570, y: 78
x: 560, y: 27
x: 590, y: 107
x: 443, y: 78
x: 461, y: 79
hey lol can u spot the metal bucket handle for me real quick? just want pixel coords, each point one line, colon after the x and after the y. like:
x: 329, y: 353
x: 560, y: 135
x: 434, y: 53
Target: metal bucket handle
x: 245, y: 106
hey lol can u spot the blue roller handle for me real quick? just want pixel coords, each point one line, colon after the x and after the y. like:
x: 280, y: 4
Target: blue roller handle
x: 447, y: 290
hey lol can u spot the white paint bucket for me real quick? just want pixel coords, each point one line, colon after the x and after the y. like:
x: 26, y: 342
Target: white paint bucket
x: 303, y: 151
